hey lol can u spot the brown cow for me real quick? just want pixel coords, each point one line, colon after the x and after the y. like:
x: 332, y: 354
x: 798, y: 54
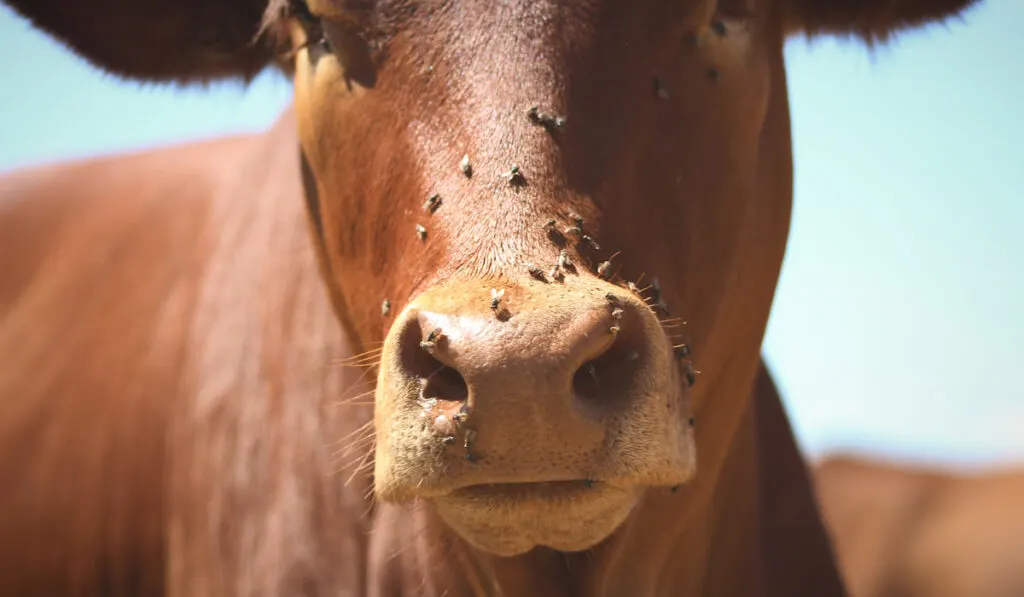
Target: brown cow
x: 454, y: 205
x: 904, y: 530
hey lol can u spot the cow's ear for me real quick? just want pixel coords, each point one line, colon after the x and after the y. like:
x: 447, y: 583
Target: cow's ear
x: 871, y: 20
x: 159, y: 40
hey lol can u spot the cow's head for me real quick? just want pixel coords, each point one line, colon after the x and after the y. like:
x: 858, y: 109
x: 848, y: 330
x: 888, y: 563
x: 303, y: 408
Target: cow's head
x: 547, y: 211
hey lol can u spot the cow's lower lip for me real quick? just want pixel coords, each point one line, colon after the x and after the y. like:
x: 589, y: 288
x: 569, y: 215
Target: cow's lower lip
x: 544, y: 490
x: 508, y: 519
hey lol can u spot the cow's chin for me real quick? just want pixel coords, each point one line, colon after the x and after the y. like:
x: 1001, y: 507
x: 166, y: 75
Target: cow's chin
x: 511, y: 519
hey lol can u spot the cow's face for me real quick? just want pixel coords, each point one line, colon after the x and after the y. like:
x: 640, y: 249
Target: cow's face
x: 525, y: 387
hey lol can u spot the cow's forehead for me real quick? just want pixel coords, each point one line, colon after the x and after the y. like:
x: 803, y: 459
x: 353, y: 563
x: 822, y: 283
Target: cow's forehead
x: 525, y: 16
x: 547, y: 44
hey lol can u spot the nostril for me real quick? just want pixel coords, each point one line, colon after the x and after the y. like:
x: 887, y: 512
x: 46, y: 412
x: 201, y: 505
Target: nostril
x: 445, y: 383
x: 608, y: 379
x: 436, y: 379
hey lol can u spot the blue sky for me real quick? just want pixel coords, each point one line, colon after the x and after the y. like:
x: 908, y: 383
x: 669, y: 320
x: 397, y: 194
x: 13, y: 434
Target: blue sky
x: 898, y: 326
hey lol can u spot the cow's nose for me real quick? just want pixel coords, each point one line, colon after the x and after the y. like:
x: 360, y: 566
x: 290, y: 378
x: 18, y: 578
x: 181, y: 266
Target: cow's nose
x: 552, y: 370
x: 528, y: 383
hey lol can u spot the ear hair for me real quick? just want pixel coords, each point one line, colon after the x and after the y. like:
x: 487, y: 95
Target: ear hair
x: 162, y: 40
x: 873, y: 21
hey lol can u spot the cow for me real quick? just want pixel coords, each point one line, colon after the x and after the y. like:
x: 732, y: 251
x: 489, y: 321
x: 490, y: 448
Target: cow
x: 912, y: 530
x: 480, y: 314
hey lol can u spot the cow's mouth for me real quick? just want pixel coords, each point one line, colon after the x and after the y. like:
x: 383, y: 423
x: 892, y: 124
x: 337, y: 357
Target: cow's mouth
x: 511, y: 518
x: 529, y: 491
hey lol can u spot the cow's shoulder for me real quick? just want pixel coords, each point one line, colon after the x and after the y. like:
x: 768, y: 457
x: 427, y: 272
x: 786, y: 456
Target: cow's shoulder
x: 100, y: 267
x: 134, y: 217
x: 101, y: 264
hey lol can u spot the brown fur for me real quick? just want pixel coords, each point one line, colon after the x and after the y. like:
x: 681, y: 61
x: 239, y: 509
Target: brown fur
x: 174, y: 418
x: 915, y: 531
x: 159, y: 40
x: 793, y: 513
x: 871, y: 21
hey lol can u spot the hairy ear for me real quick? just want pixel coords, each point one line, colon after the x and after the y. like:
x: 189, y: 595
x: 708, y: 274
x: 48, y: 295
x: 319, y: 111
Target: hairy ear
x: 871, y: 20
x: 158, y: 40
